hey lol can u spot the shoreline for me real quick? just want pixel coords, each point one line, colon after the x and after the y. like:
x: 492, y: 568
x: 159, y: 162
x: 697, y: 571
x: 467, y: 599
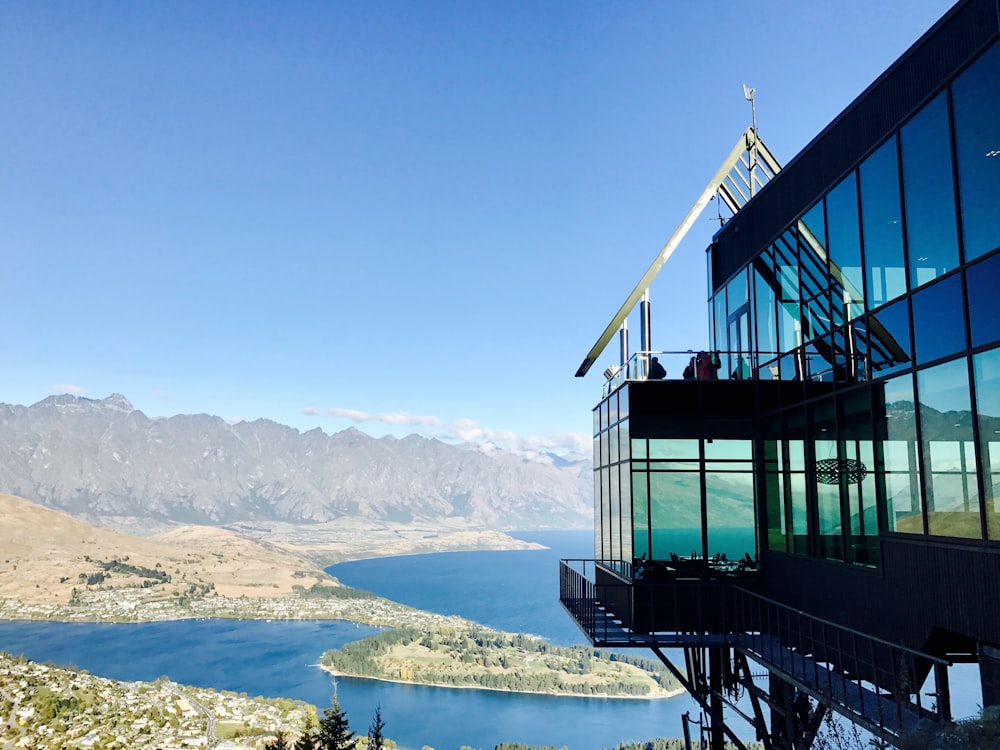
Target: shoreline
x: 670, y: 693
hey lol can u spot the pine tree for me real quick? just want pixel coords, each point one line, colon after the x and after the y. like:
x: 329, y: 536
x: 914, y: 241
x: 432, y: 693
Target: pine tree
x: 280, y: 742
x: 376, y: 741
x: 306, y: 740
x: 334, y: 733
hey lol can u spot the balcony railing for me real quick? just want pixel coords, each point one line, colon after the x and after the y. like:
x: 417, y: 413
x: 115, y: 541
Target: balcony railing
x: 799, y: 364
x: 874, y: 682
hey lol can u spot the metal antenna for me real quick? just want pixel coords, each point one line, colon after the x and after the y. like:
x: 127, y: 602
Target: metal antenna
x: 750, y: 95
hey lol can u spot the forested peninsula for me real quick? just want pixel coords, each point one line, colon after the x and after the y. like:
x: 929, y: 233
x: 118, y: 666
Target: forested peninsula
x: 477, y: 657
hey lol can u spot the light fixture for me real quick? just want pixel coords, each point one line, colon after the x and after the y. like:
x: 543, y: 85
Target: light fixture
x: 830, y: 470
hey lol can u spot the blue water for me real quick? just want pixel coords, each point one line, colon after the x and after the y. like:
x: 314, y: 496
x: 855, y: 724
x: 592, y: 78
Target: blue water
x: 514, y: 591
x: 511, y: 590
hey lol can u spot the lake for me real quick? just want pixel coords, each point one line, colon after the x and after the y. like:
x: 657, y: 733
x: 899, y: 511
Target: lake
x: 516, y: 590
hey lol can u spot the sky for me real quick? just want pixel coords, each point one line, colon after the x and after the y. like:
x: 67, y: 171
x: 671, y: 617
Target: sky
x: 405, y: 217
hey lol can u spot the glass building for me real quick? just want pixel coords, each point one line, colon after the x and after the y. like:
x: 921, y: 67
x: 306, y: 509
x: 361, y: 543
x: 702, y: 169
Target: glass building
x: 839, y: 454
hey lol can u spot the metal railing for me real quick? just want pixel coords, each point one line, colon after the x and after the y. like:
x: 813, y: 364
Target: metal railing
x: 872, y: 681
x: 734, y: 365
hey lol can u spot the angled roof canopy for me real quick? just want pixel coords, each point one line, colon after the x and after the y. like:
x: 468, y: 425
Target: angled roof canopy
x: 748, y: 167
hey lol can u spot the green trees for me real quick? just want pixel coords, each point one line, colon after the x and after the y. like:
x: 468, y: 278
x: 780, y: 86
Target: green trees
x: 376, y: 740
x: 334, y: 732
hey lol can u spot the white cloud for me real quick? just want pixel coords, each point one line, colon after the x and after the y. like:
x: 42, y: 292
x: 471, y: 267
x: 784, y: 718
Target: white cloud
x: 66, y: 388
x: 311, y: 411
x: 392, y: 418
x: 465, y: 430
x: 470, y: 431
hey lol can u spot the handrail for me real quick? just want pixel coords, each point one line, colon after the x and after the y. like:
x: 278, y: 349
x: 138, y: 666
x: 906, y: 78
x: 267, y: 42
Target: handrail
x: 873, y: 681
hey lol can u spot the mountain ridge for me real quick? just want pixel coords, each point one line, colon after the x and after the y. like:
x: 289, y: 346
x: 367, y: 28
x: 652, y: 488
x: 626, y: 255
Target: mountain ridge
x: 101, y: 459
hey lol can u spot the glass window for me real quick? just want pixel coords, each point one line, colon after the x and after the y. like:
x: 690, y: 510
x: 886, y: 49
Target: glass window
x: 675, y: 513
x: 623, y: 403
x: 939, y: 320
x: 736, y: 292
x: 800, y: 520
x: 812, y: 229
x: 786, y: 268
x: 639, y: 448
x: 949, y: 458
x: 863, y: 508
x: 977, y: 136
x: 881, y: 216
x: 982, y: 285
x: 845, y: 248
x: 720, y: 321
x: 898, y: 468
x: 729, y: 450
x: 766, y: 343
x: 928, y: 195
x: 614, y: 550
x: 613, y: 445
x: 625, y: 485
x: 774, y: 500
x: 889, y: 339
x: 623, y: 442
x: 830, y: 540
x: 640, y: 514
x: 730, y: 508
x: 677, y: 448
x: 986, y: 367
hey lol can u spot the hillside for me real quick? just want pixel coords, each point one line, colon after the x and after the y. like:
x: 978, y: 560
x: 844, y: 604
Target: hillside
x: 46, y: 554
x: 108, y: 462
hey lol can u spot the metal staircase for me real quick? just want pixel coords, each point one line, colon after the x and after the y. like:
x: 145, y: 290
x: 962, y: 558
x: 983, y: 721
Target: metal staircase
x: 875, y: 684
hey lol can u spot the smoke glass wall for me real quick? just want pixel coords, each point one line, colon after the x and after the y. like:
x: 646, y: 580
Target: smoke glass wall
x: 887, y: 291
x: 660, y: 497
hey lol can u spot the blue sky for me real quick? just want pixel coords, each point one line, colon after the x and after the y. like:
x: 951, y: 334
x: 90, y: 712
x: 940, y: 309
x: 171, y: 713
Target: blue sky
x: 406, y: 217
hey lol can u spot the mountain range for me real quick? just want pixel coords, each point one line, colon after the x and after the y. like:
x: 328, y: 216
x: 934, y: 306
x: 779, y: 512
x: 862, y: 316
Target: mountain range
x: 104, y: 459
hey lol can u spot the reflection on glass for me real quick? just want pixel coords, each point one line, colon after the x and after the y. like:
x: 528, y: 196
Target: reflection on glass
x: 675, y: 448
x: 730, y: 508
x: 639, y: 448
x: 733, y: 450
x: 938, y: 320
x: 845, y: 248
x: 774, y: 497
x: 615, y: 528
x: 625, y: 483
x: 736, y: 292
x: 640, y: 515
x: 675, y: 513
x: 984, y: 301
x: 766, y: 341
x: 862, y: 504
x: 977, y: 134
x: 800, y: 524
x: 986, y: 367
x: 889, y: 339
x: 929, y: 198
x: 881, y: 216
x: 786, y: 268
x: 899, y: 471
x: 949, y: 458
x: 623, y: 442
x: 827, y: 488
